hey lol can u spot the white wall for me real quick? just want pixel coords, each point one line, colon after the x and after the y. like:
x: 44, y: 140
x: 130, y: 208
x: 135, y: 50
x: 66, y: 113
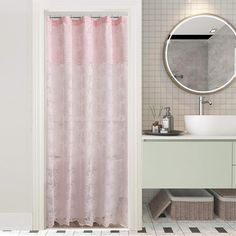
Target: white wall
x: 15, y: 105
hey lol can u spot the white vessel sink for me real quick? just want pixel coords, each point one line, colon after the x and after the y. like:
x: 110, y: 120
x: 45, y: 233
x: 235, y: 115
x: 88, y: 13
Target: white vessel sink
x: 224, y: 125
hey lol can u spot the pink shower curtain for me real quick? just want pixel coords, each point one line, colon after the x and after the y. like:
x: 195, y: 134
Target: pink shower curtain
x: 87, y: 121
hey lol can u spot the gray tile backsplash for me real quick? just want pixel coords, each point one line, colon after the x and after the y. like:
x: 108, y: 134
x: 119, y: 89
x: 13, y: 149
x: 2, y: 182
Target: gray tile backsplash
x: 159, y: 17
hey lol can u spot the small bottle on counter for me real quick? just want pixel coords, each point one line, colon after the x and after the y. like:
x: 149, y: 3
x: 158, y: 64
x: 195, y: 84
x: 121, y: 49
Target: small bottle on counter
x: 168, y: 120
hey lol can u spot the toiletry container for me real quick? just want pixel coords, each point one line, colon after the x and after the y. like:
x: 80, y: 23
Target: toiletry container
x: 168, y: 120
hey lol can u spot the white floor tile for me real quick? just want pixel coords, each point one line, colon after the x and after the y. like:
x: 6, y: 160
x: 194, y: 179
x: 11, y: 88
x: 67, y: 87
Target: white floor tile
x: 79, y: 233
x: 41, y: 233
x: 186, y: 225
x: 124, y: 233
x: 146, y: 214
x: 232, y: 224
x: 135, y: 233
x: 227, y: 227
x: 50, y: 232
x: 13, y: 232
x: 97, y: 232
x: 68, y: 233
x: 160, y: 231
x: 107, y: 233
x: 149, y: 228
x: 26, y: 233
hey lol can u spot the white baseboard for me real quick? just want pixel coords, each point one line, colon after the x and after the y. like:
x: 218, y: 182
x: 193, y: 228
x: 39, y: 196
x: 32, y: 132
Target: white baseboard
x: 16, y: 221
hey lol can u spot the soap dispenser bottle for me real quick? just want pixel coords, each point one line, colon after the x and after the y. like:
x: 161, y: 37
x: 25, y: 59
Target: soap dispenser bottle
x: 168, y: 120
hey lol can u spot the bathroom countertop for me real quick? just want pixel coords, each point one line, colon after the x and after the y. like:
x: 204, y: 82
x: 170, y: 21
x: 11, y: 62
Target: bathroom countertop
x: 187, y: 137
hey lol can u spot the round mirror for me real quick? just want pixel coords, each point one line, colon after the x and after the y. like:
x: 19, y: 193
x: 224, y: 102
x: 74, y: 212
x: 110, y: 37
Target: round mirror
x: 200, y: 54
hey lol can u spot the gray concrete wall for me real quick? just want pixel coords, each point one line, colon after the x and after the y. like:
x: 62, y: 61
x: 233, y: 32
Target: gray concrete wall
x: 189, y: 58
x: 221, y: 60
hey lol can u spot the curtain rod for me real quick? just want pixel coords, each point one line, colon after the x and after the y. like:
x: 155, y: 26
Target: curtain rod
x: 82, y: 16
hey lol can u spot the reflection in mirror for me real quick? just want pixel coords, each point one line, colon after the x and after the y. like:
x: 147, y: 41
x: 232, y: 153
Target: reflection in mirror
x: 200, y: 53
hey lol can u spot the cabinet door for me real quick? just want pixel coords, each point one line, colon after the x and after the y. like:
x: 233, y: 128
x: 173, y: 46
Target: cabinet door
x: 234, y: 153
x: 187, y: 164
x: 234, y: 176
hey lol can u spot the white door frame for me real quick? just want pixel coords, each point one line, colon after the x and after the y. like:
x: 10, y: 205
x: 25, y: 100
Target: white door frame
x: 133, y: 8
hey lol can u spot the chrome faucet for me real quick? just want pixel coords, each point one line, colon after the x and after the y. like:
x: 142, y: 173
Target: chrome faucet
x: 201, y: 103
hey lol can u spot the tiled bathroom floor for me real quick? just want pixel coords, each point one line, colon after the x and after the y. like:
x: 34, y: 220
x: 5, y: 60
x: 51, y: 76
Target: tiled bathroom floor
x: 166, y: 226
x: 163, y: 226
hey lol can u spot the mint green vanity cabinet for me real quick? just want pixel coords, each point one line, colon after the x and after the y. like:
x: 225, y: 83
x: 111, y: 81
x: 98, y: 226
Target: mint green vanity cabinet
x: 187, y: 164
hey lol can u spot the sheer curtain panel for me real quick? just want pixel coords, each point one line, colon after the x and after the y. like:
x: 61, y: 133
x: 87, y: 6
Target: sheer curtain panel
x: 87, y: 160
